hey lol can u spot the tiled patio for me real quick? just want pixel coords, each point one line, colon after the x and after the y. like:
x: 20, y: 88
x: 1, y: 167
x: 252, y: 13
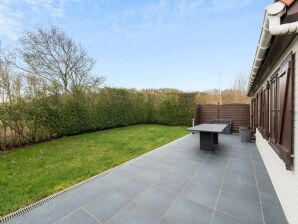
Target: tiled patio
x: 176, y: 184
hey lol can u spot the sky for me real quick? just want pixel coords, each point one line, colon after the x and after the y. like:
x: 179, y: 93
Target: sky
x: 183, y: 44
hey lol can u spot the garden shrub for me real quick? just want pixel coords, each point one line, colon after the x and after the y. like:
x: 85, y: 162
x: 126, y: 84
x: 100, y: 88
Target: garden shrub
x: 57, y: 115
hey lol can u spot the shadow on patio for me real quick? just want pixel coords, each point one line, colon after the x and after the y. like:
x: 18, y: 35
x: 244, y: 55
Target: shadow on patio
x: 175, y: 184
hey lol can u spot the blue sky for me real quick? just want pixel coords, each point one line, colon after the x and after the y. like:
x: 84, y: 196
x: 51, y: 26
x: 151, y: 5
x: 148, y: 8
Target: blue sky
x: 182, y: 44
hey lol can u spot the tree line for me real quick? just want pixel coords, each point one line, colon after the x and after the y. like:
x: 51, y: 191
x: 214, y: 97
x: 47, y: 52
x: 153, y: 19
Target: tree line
x: 48, y: 90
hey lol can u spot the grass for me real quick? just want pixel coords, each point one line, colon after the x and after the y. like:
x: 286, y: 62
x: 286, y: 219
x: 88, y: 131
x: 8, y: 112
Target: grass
x: 32, y: 173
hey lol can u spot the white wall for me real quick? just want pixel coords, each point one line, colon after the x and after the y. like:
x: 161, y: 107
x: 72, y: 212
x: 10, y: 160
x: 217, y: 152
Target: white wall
x: 285, y: 182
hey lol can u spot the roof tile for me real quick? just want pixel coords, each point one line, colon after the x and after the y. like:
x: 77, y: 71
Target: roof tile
x: 287, y: 2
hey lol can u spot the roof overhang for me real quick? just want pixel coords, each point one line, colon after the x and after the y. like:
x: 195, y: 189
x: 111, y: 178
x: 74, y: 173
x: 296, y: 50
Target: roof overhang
x: 278, y: 46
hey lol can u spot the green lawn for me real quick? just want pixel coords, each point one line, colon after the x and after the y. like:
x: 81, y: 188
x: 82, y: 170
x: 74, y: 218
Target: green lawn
x: 32, y: 173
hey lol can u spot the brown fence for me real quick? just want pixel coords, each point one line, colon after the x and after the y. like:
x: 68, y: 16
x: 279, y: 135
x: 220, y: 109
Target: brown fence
x: 238, y: 113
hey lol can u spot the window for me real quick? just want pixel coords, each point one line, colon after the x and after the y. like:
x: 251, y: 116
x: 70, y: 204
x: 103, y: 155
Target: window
x: 272, y: 111
x: 281, y: 106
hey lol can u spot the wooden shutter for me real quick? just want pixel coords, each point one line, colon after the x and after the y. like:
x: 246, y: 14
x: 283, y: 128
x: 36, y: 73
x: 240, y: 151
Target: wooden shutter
x: 283, y: 142
x: 257, y: 111
x: 273, y: 121
x: 252, y: 114
x: 262, y: 110
x: 266, y: 110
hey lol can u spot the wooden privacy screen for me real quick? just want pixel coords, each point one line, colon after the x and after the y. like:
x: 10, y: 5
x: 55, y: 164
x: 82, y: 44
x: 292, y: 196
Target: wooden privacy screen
x: 238, y: 113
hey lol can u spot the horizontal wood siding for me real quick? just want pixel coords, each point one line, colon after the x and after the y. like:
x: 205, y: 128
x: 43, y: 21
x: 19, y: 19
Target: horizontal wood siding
x: 205, y: 113
x: 238, y: 113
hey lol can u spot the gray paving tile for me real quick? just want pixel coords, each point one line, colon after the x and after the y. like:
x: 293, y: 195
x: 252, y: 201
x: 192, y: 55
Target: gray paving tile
x: 240, y: 166
x: 182, y: 173
x: 265, y: 181
x: 221, y: 218
x: 78, y: 217
x: 247, y: 178
x: 241, y: 208
x: 188, y: 212
x: 146, y: 161
x: 165, y: 221
x: 262, y: 174
x: 260, y: 168
x: 266, y: 187
x: 210, y: 177
x: 106, y: 206
x: 201, y: 194
x: 128, y: 170
x: 238, y: 185
x: 171, y: 184
x: 87, y: 191
x: 219, y: 155
x: 156, y: 200
x: 113, y: 180
x: 268, y: 196
x: 171, y: 158
x: 214, y: 160
x: 243, y: 156
x: 51, y: 211
x: 17, y: 220
x: 135, y: 214
x: 147, y: 176
x: 257, y: 158
x: 132, y: 188
x: 273, y: 214
x: 189, y: 164
x: 196, y: 155
x: 161, y: 167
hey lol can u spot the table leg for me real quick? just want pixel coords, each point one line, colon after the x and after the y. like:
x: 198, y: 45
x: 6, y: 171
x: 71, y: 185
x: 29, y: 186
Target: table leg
x: 206, y: 141
x: 215, y: 138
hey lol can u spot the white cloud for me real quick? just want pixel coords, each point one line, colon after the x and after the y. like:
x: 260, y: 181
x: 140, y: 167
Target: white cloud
x: 10, y: 21
x: 141, y: 20
x: 16, y: 14
x: 55, y: 8
x: 187, y: 7
x: 153, y: 18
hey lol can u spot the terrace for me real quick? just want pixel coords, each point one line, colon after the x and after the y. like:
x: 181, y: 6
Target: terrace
x: 176, y: 183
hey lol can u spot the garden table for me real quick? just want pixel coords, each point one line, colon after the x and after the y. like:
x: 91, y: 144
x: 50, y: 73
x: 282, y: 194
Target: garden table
x: 208, y: 134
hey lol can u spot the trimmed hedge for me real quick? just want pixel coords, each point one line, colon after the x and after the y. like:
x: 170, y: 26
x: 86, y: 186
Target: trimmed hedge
x: 46, y: 117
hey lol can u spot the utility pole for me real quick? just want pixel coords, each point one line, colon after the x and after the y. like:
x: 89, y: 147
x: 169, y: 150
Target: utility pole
x: 220, y: 88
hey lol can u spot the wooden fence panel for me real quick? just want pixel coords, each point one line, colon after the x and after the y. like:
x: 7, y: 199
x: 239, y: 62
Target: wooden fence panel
x: 205, y: 113
x: 238, y: 113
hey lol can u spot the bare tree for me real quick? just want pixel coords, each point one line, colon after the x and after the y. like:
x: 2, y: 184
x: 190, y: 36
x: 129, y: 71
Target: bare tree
x: 7, y: 78
x: 11, y: 126
x: 240, y: 83
x: 54, y: 57
x: 239, y: 87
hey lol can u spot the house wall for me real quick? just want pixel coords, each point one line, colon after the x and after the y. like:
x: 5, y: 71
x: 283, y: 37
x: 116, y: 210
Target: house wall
x: 285, y: 182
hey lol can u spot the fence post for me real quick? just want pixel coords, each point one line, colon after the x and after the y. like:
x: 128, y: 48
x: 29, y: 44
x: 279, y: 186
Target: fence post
x: 196, y: 117
x: 218, y: 110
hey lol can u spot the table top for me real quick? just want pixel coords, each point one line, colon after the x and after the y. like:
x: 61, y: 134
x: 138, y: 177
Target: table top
x: 217, y: 128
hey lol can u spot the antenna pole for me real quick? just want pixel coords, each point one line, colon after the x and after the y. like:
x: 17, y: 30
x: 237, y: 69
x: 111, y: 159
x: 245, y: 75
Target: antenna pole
x: 220, y: 88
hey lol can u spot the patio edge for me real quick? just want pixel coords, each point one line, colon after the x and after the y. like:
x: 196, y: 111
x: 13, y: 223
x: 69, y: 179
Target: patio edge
x: 34, y: 205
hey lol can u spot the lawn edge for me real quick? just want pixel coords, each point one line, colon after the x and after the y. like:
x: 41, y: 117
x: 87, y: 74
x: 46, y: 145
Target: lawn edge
x: 36, y: 204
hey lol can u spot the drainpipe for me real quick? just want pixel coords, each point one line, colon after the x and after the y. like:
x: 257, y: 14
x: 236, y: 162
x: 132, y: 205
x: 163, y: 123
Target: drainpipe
x: 271, y: 26
x: 274, y: 13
